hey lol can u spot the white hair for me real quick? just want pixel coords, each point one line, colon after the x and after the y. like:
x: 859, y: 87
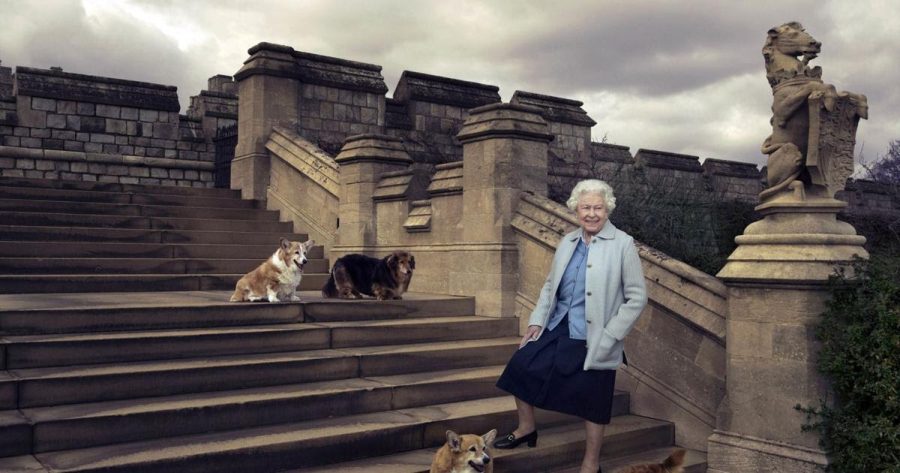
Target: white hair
x: 592, y: 186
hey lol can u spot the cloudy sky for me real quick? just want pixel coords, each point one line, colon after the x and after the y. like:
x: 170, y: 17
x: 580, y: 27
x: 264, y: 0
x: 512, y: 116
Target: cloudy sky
x: 682, y: 76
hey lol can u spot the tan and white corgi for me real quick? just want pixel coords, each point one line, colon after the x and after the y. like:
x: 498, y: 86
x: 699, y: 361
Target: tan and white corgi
x: 277, y: 278
x: 673, y: 464
x: 464, y: 454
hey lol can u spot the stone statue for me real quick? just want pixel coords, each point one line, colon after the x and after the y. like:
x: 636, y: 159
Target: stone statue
x: 808, y: 146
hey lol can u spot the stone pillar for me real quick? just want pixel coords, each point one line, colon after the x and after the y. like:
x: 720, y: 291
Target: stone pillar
x: 504, y: 153
x: 776, y: 295
x: 268, y: 95
x: 363, y: 159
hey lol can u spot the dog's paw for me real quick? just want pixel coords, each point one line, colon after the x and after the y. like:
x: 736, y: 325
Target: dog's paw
x: 295, y: 298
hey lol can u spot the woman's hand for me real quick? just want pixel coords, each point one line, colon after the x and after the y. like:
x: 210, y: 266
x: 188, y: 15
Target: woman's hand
x: 530, y: 334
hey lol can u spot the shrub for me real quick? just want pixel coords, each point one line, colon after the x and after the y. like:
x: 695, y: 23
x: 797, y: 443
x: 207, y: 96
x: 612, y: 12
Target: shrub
x: 860, y: 356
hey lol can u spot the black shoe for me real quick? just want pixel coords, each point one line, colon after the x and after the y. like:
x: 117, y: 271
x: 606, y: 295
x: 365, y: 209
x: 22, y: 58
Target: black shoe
x: 599, y: 469
x: 510, y: 441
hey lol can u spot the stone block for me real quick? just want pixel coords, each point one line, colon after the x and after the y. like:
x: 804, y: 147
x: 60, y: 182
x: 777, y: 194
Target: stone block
x: 62, y: 165
x: 40, y: 133
x: 73, y: 122
x: 129, y: 113
x: 79, y: 167
x: 21, y: 131
x: 191, y: 174
x: 170, y: 153
x: 30, y: 142
x: 121, y: 140
x: 67, y: 107
x: 11, y: 141
x: 89, y: 177
x: 117, y: 170
x: 62, y: 135
x: 149, y: 115
x: 86, y: 108
x: 44, y: 165
x: 74, y: 146
x: 83, y: 136
x: 40, y: 103
x: 70, y: 176
x: 176, y: 173
x: 102, y: 138
x: 117, y: 127
x: 13, y: 173
x: 155, y: 152
x: 149, y: 181
x: 34, y: 174
x: 159, y: 172
x: 109, y: 111
x: 93, y: 124
x: 110, y: 149
x: 93, y: 148
x: 139, y: 171
x: 165, y: 131
x: 129, y: 180
x: 97, y: 168
x: 111, y: 179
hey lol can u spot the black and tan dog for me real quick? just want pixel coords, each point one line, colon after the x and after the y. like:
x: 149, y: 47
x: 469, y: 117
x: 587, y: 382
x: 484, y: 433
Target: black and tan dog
x: 386, y: 278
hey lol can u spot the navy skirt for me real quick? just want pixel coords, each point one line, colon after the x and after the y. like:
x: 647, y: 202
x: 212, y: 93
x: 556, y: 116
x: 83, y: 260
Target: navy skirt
x: 549, y: 373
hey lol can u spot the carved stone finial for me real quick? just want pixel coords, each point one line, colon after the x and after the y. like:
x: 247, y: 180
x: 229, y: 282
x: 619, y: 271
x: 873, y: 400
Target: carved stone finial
x: 813, y: 125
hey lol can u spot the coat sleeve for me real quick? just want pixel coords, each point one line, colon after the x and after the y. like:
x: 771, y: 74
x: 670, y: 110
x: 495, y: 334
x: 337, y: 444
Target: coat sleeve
x: 542, y: 308
x: 635, y: 294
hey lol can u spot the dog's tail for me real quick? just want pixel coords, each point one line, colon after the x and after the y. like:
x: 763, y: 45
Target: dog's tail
x: 330, y: 289
x: 676, y: 459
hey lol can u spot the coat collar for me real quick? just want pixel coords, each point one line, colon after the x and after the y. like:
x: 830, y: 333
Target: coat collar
x: 608, y: 232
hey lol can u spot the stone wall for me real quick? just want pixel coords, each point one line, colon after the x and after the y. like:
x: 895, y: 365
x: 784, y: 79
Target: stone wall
x: 60, y: 125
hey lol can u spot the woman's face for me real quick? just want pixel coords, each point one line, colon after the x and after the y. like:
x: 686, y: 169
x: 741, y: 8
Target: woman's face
x: 591, y: 212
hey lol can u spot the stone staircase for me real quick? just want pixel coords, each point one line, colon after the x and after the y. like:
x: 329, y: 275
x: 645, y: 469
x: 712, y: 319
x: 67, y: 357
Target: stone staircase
x: 119, y: 351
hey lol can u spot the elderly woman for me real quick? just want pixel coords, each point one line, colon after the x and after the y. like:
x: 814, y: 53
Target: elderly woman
x: 568, y: 357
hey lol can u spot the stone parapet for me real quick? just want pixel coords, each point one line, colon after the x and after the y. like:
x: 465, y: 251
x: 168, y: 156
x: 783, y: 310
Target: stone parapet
x: 666, y: 160
x: 719, y: 167
x: 416, y: 86
x: 53, y: 84
x: 447, y: 179
x: 611, y: 153
x: 555, y: 109
x: 100, y: 167
x: 6, y: 82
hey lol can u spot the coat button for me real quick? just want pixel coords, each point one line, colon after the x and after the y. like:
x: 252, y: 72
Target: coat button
x: 589, y: 293
x: 589, y: 266
x: 588, y: 321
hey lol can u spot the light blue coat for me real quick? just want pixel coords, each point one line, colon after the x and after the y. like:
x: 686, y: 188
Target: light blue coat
x: 615, y: 293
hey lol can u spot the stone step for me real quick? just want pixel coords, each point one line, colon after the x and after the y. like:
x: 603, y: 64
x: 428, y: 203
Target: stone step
x: 694, y: 461
x: 38, y: 387
x: 93, y: 208
x: 557, y: 448
x: 115, y: 187
x: 68, y: 195
x: 139, y: 265
x: 318, y: 442
x: 21, y: 464
x: 8, y: 394
x: 87, y: 425
x: 137, y: 235
x: 36, y: 351
x: 46, y: 350
x: 107, y: 250
x: 44, y: 219
x: 98, y: 312
x: 69, y: 283
x: 15, y: 434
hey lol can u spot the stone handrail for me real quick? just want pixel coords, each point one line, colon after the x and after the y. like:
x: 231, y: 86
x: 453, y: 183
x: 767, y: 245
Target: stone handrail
x: 304, y: 185
x: 677, y: 348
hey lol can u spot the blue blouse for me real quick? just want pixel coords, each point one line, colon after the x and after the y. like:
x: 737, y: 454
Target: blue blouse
x: 570, y: 296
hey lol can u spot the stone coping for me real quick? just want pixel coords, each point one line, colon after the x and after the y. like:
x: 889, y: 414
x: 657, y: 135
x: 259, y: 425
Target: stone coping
x: 555, y: 109
x: 127, y: 160
x: 221, y: 95
x: 721, y: 167
x: 94, y: 89
x: 444, y: 90
x: 668, y: 160
x: 611, y: 153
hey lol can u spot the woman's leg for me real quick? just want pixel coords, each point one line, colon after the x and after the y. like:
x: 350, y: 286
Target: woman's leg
x: 593, y: 442
x: 526, y: 419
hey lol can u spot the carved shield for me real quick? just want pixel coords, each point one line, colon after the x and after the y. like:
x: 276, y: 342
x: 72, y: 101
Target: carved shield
x: 832, y: 136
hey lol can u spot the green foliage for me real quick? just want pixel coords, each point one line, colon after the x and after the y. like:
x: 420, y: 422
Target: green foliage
x: 860, y: 356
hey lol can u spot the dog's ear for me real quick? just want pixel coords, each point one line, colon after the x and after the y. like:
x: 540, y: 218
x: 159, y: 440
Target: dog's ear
x: 285, y: 243
x: 412, y: 262
x: 391, y: 261
x: 489, y: 437
x: 454, y: 441
x: 675, y: 459
x: 308, y: 244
